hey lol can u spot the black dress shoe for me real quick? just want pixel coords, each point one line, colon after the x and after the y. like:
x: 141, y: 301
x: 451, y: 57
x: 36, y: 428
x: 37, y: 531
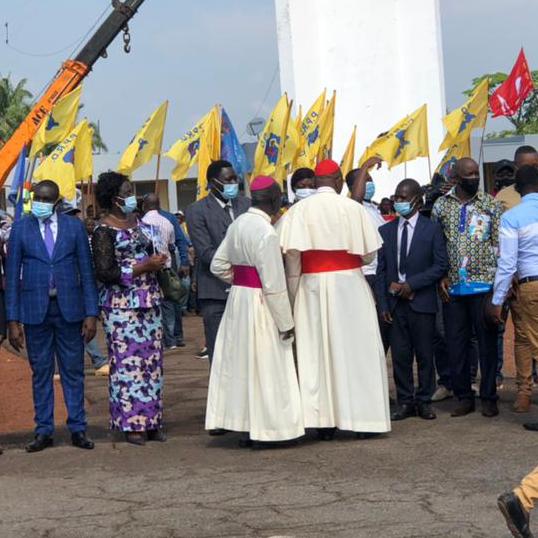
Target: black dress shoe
x: 156, y: 435
x: 464, y: 408
x: 367, y: 435
x: 489, y: 408
x: 326, y: 434
x: 39, y: 443
x: 245, y: 442
x: 135, y: 438
x: 517, y: 518
x: 531, y: 426
x: 80, y: 440
x: 404, y: 411
x: 426, y: 412
x: 217, y: 431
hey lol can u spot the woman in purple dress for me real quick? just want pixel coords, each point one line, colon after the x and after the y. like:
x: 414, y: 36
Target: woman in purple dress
x: 130, y: 299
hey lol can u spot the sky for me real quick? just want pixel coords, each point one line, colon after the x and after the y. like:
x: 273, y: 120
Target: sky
x: 196, y: 54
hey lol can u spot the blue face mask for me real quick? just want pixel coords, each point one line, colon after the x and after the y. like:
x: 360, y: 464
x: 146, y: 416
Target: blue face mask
x: 403, y: 208
x: 229, y: 190
x: 301, y: 194
x: 42, y: 210
x: 129, y: 204
x: 369, y: 191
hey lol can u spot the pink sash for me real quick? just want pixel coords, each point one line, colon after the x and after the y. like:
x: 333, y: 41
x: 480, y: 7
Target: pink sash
x: 246, y: 276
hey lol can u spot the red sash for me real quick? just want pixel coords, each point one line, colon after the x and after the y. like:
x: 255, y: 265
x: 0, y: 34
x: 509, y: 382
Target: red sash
x: 323, y: 261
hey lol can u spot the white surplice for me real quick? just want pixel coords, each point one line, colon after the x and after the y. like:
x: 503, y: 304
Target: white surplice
x: 253, y: 385
x: 342, y: 366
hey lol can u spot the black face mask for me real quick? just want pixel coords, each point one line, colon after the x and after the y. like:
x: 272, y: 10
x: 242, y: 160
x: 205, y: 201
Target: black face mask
x: 470, y: 186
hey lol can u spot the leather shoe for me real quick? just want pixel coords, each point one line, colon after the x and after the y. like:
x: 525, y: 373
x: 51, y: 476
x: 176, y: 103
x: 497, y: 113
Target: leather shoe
x: 156, y: 435
x: 326, y: 434
x: 80, y: 440
x: 426, y: 412
x: 39, y: 443
x: 531, y: 426
x: 517, y: 518
x: 135, y: 438
x: 489, y: 408
x: 367, y: 435
x: 404, y: 411
x: 217, y: 431
x: 464, y: 408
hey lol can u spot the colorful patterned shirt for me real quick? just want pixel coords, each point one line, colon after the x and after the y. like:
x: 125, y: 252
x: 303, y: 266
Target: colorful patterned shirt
x: 472, y: 235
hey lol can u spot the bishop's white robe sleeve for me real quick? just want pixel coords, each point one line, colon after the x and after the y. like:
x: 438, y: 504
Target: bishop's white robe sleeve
x: 271, y: 270
x: 293, y: 272
x: 221, y: 266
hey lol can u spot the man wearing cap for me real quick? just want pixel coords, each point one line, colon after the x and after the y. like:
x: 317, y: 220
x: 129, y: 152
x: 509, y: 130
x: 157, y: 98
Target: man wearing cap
x: 253, y: 385
x: 342, y: 371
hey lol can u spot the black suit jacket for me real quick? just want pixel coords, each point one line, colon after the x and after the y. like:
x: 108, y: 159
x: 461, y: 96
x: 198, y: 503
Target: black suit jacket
x: 208, y: 222
x: 427, y: 263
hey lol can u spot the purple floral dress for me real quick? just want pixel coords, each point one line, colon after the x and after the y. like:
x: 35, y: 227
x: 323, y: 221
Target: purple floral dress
x: 132, y: 322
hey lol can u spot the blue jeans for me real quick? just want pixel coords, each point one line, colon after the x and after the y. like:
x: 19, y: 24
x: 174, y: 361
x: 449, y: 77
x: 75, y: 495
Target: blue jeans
x: 172, y: 324
x: 92, y: 349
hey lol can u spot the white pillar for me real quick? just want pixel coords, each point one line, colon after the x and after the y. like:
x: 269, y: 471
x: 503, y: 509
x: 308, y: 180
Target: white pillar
x: 384, y: 59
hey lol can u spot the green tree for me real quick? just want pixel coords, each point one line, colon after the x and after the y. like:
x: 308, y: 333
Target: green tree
x: 97, y: 142
x: 526, y: 120
x: 15, y: 103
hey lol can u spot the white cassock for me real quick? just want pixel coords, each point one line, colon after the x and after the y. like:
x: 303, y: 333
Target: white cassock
x: 342, y: 367
x: 253, y: 384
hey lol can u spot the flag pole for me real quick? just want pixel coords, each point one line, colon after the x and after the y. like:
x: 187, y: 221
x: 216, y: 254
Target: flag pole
x: 157, y: 172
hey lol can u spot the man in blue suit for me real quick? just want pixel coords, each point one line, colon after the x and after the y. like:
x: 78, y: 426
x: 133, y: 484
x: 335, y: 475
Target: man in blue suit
x: 411, y: 262
x: 51, y: 291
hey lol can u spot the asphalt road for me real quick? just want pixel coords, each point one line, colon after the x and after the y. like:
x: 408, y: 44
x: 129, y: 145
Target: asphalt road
x: 425, y: 479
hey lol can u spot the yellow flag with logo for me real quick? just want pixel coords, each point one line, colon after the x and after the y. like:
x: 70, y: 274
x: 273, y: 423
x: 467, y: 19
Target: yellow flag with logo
x: 471, y: 115
x: 209, y: 149
x: 59, y: 123
x: 326, y: 130
x: 310, y: 134
x: 346, y: 164
x: 268, y: 156
x: 69, y: 162
x: 456, y: 151
x: 292, y: 145
x: 301, y: 141
x: 405, y: 141
x: 146, y: 143
x: 185, y: 150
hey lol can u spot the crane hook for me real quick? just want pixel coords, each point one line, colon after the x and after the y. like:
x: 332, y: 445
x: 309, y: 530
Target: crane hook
x: 126, y: 39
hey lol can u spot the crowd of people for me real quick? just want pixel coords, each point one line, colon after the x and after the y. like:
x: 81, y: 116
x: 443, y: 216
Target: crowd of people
x: 300, y: 305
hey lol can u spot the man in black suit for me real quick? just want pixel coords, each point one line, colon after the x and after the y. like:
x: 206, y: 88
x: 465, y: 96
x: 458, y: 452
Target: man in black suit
x: 411, y: 262
x: 207, y: 222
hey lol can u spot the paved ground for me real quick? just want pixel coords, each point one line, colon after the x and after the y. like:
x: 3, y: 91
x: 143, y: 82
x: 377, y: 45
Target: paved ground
x: 425, y: 479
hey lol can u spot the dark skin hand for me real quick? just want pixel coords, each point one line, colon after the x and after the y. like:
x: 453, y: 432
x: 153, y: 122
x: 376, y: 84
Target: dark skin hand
x: 286, y: 335
x: 359, y: 185
x: 443, y: 290
x: 16, y: 335
x: 89, y: 328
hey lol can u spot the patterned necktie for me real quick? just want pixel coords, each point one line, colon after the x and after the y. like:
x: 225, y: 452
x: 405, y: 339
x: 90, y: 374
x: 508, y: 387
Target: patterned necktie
x: 403, y: 250
x: 49, y: 237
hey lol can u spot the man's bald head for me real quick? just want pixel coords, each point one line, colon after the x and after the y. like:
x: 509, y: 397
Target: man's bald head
x: 466, y: 167
x: 151, y: 202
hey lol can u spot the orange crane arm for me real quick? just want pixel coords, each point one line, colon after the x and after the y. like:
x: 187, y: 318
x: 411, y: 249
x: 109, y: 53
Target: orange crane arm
x: 69, y: 77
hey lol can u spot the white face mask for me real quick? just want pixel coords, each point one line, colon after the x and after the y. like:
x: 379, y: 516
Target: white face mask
x: 301, y: 194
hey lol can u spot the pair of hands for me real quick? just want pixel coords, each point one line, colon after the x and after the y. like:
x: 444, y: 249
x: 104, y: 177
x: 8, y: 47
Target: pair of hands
x: 286, y: 335
x: 16, y: 332
x: 402, y: 290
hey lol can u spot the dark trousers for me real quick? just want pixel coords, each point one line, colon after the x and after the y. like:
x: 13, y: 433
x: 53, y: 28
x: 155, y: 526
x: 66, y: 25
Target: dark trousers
x: 462, y: 315
x: 212, y: 311
x: 56, y: 336
x: 172, y: 323
x: 412, y: 336
x: 384, y: 327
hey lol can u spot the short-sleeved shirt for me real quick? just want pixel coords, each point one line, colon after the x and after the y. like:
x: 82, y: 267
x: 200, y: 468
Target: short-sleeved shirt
x: 508, y: 197
x: 472, y: 234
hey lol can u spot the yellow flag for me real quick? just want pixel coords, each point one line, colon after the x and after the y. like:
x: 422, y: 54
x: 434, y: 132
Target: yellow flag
x: 310, y: 133
x: 346, y: 165
x: 268, y: 156
x: 454, y: 152
x: 68, y: 160
x: 471, y: 115
x: 326, y: 130
x: 57, y: 125
x: 292, y: 144
x: 84, y: 153
x: 185, y: 150
x: 300, y: 148
x: 209, y: 149
x: 405, y: 141
x: 146, y: 143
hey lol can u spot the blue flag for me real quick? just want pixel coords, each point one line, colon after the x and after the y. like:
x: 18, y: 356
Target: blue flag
x: 17, y: 185
x: 230, y: 148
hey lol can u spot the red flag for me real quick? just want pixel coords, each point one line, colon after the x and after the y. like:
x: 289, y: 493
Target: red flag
x: 507, y: 99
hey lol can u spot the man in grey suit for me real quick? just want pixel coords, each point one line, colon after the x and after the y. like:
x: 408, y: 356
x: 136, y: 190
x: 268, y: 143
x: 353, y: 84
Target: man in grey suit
x: 207, y: 222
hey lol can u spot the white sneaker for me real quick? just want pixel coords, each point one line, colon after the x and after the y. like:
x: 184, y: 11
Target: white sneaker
x: 441, y: 393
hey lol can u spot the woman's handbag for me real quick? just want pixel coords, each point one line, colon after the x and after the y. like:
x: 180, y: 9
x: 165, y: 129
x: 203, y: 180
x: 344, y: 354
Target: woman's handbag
x: 171, y: 285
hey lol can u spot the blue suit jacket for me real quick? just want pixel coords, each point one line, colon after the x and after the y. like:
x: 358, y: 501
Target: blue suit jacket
x: 427, y: 263
x: 29, y: 267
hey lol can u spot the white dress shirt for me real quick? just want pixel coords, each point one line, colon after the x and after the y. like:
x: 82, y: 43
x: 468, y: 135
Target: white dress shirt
x: 162, y: 232
x: 227, y: 206
x: 377, y: 221
x: 410, y: 231
x: 53, y: 226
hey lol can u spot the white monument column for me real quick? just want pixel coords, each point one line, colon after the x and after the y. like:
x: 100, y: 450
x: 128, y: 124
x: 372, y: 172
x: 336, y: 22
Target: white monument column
x: 384, y: 58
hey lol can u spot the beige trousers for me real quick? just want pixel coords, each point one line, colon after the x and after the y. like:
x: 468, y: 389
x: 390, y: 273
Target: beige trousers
x: 525, y: 317
x: 527, y: 491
